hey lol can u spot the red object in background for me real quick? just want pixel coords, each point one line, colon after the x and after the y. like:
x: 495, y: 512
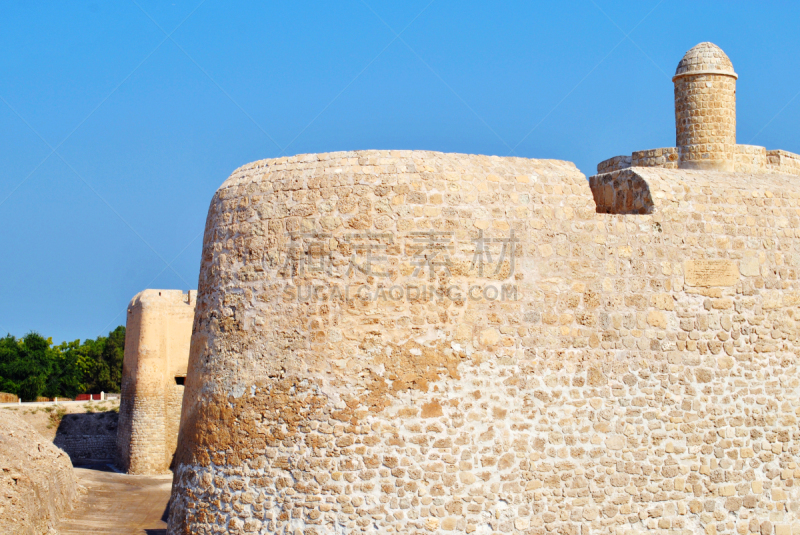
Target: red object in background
x: 87, y: 397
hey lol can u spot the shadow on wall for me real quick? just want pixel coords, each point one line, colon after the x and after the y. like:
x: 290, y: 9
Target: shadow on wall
x: 164, y: 518
x: 88, y: 437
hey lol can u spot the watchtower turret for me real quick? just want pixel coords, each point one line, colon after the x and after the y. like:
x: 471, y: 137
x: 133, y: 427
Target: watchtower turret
x: 705, y: 109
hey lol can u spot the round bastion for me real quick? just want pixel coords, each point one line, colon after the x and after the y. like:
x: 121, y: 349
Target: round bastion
x: 705, y: 109
x: 417, y: 342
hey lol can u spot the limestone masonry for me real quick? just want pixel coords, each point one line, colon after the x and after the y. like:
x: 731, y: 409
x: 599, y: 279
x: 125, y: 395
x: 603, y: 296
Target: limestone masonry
x: 158, y: 332
x: 416, y: 342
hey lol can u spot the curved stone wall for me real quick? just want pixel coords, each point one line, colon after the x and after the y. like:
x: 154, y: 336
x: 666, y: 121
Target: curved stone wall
x: 705, y: 121
x: 622, y: 373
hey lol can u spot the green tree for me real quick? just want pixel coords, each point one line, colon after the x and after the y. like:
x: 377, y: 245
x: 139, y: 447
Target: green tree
x: 31, y: 366
x: 67, y: 379
x: 113, y: 355
x: 97, y: 373
x: 26, y: 365
x: 100, y: 361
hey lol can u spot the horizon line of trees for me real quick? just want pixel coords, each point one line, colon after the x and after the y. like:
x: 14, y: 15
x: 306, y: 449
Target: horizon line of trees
x: 32, y: 366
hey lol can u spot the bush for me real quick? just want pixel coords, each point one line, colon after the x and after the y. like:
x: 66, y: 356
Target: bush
x: 32, y: 367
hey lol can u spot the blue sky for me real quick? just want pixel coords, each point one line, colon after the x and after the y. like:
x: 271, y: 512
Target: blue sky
x: 118, y: 120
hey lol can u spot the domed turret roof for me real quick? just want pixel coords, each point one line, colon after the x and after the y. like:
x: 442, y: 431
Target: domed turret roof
x: 705, y: 58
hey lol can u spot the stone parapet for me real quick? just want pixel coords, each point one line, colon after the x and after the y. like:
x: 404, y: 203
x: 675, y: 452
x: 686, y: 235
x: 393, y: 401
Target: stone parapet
x: 750, y: 159
x: 782, y: 161
x: 664, y: 157
x: 614, y: 164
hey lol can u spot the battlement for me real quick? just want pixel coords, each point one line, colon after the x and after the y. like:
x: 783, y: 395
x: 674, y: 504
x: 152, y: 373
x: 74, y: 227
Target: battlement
x: 151, y: 298
x: 750, y: 159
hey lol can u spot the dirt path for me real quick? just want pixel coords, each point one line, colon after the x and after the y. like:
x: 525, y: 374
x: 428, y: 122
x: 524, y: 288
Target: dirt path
x: 118, y: 504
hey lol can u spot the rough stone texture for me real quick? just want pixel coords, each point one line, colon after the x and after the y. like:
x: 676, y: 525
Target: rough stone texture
x: 37, y: 484
x: 606, y: 394
x: 158, y: 334
x: 621, y: 192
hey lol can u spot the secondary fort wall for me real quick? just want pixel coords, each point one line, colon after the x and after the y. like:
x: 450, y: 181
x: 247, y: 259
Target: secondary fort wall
x: 639, y: 374
x: 158, y: 333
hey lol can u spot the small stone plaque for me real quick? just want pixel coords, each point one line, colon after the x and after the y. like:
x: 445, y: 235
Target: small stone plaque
x: 710, y: 272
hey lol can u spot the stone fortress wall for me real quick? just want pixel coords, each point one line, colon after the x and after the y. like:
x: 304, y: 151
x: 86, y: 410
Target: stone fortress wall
x: 158, y: 333
x: 366, y: 358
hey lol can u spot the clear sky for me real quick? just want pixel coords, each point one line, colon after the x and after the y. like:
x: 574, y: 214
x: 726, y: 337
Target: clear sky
x: 118, y: 120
